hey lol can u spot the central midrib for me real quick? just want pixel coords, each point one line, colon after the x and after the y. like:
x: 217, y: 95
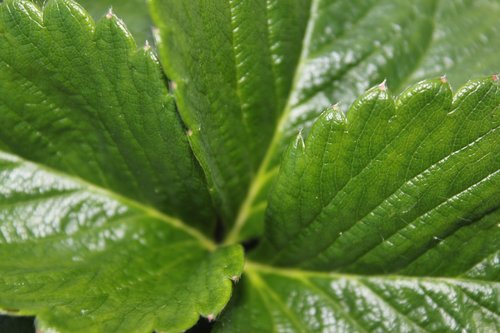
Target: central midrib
x: 262, y: 175
x: 126, y: 201
x: 260, y: 178
x: 297, y: 273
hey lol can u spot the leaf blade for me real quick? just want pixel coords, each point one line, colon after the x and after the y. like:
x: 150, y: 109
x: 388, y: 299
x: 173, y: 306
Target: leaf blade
x: 230, y: 110
x: 359, y: 271
x: 388, y: 178
x: 301, y: 301
x: 80, y: 97
x: 83, y: 259
x: 346, y: 47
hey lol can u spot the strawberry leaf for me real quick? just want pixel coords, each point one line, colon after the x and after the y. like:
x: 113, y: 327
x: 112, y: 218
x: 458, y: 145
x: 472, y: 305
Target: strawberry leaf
x: 251, y: 74
x: 95, y: 172
x: 385, y: 219
x: 81, y: 98
x: 84, y: 259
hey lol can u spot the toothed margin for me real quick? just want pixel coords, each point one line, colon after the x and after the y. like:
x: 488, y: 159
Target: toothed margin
x: 109, y: 14
x: 383, y: 85
x: 299, y: 139
x: 91, y: 26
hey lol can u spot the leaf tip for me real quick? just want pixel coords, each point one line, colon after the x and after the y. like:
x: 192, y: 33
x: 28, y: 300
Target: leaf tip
x: 299, y: 140
x: 383, y: 85
x: 334, y: 113
x: 443, y: 79
x: 172, y: 85
x: 336, y: 106
x: 146, y: 46
x: 110, y: 14
x: 156, y: 35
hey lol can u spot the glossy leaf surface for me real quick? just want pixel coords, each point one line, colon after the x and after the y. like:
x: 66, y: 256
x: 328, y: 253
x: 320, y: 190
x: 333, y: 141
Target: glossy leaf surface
x: 400, y: 199
x: 84, y: 239
x: 382, y: 219
x: 250, y: 74
x: 232, y: 76
x: 84, y: 259
x: 79, y: 97
x: 375, y: 190
x: 281, y: 300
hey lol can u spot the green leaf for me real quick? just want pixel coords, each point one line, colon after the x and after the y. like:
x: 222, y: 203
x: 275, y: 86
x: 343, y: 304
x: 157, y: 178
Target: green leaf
x: 384, y: 220
x: 373, y: 191
x: 250, y: 74
x: 94, y: 155
x: 284, y: 300
x: 134, y: 12
x: 79, y: 97
x: 229, y: 95
x: 84, y: 259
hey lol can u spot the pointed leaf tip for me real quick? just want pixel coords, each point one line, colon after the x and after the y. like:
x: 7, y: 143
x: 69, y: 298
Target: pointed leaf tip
x: 172, y: 85
x: 299, y: 140
x: 110, y: 14
x: 383, y: 85
x: 334, y: 113
x: 336, y: 106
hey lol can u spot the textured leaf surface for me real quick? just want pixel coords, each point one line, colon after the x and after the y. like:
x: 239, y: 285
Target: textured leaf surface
x: 87, y: 260
x: 400, y: 199
x: 283, y: 300
x: 374, y: 191
x: 134, y: 12
x: 250, y: 74
x: 79, y: 97
x: 232, y: 76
